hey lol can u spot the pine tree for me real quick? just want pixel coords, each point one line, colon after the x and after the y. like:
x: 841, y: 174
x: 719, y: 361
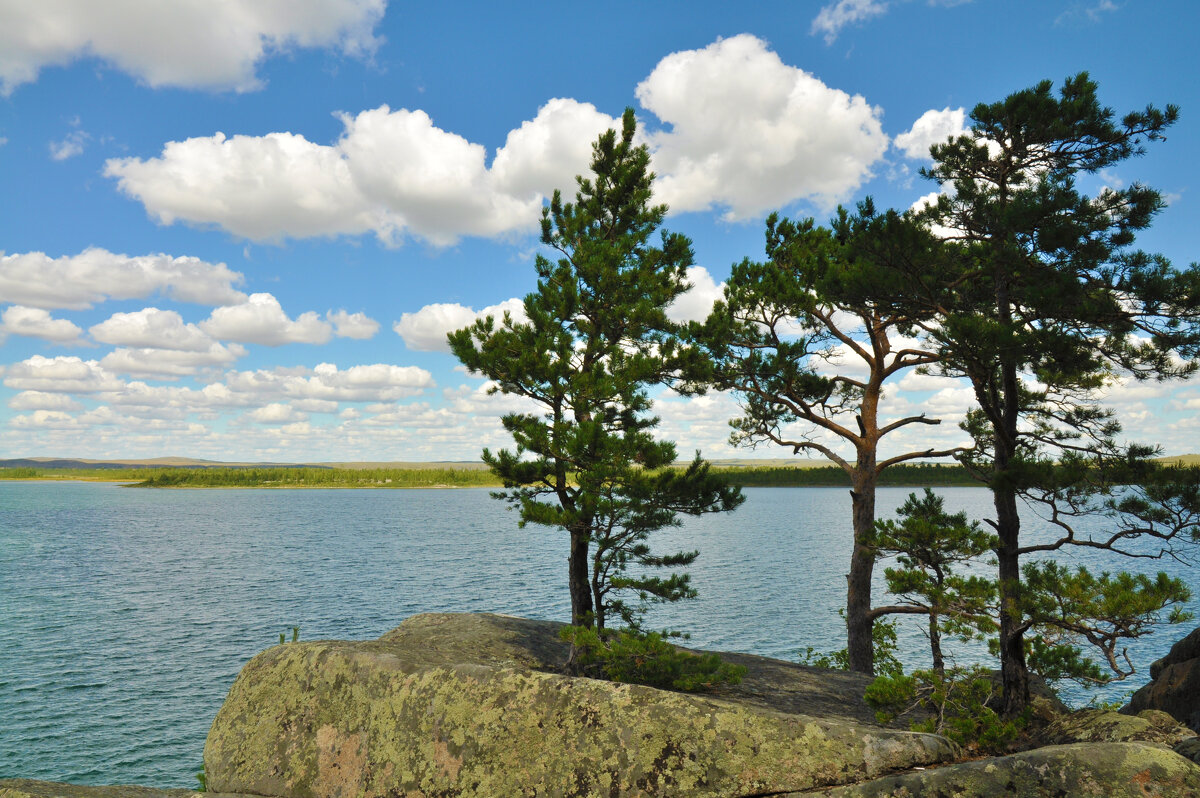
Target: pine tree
x: 930, y: 545
x: 596, y: 337
x: 1051, y: 302
x: 791, y: 337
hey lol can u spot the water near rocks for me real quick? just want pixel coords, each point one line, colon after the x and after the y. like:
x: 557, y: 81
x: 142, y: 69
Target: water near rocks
x: 126, y: 614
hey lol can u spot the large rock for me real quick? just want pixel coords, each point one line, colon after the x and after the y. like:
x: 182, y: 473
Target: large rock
x: 467, y: 705
x: 1105, y: 726
x: 1175, y: 685
x: 1083, y: 770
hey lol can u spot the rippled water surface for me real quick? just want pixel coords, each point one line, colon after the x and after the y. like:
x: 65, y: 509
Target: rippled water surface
x: 126, y: 614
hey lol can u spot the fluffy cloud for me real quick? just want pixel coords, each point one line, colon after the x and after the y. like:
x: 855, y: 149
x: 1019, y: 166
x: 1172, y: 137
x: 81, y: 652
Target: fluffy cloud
x: 189, y: 44
x: 170, y: 363
x: 697, y: 302
x: 276, y: 413
x: 426, y: 329
x: 151, y: 328
x: 933, y: 127
x: 37, y: 323
x: 261, y: 320
x: 742, y: 130
x: 60, y: 374
x: 352, y: 325
x: 94, y: 275
x: 547, y: 152
x: 261, y: 188
x: 832, y: 18
x: 40, y: 400
x: 391, y: 172
x: 379, y: 382
x: 751, y: 133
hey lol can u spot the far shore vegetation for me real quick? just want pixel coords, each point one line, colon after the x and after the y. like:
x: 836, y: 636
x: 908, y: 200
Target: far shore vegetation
x: 748, y: 476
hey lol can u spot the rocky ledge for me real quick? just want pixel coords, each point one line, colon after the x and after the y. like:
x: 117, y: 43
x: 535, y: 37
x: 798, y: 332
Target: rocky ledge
x: 473, y: 705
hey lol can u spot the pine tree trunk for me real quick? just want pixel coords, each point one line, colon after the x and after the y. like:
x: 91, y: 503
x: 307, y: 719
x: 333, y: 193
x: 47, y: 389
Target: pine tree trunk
x: 582, y: 610
x: 1014, y: 674
x: 1013, y: 671
x: 935, y: 645
x: 860, y: 645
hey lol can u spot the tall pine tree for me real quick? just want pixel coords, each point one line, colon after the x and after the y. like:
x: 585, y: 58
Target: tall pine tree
x: 1051, y: 302
x: 807, y: 341
x: 596, y: 337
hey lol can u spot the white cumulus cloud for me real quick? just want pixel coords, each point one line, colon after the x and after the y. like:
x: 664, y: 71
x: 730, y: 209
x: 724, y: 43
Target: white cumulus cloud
x: 61, y: 374
x: 933, y: 127
x: 153, y: 329
x: 697, y: 302
x: 352, y: 325
x: 741, y: 130
x: 209, y: 45
x: 390, y: 173
x: 426, y: 329
x: 751, y: 133
x: 40, y: 400
x: 377, y: 382
x: 94, y: 275
x: 37, y: 323
x: 170, y: 363
x: 276, y: 413
x: 261, y: 320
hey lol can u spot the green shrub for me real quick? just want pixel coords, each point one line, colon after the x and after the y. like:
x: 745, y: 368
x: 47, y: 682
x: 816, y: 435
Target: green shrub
x: 956, y: 704
x: 883, y: 633
x: 636, y: 657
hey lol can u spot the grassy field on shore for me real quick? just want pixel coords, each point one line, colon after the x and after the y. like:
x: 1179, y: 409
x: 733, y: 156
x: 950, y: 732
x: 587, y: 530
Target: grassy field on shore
x: 451, y: 476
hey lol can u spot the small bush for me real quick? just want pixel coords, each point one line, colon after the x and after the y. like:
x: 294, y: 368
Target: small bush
x: 636, y: 657
x: 956, y: 703
x: 883, y: 634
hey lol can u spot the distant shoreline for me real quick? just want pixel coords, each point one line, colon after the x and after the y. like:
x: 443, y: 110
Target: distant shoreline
x: 904, y: 475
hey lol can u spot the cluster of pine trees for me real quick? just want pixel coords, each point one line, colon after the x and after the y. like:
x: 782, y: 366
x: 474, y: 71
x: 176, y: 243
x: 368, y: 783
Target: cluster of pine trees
x: 1013, y: 281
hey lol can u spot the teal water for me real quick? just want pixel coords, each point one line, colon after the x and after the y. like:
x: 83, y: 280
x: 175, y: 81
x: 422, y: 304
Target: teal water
x: 126, y: 614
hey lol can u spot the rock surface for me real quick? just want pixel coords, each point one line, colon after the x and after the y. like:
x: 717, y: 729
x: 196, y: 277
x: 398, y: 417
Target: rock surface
x: 1189, y: 749
x: 1083, y: 770
x: 465, y: 705
x: 1104, y: 726
x: 1175, y: 685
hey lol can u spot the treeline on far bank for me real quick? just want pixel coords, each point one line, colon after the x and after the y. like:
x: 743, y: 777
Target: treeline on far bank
x: 902, y: 475
x: 931, y: 475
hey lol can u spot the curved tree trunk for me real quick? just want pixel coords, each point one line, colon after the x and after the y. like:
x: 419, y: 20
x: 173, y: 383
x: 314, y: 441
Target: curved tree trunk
x: 860, y: 644
x: 935, y: 645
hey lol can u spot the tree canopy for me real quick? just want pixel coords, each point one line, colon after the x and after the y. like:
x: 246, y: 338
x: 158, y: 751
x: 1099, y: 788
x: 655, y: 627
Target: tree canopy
x: 1052, y: 303
x: 595, y: 337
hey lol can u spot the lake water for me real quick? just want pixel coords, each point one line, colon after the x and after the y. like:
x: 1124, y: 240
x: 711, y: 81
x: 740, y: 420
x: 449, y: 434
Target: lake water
x: 126, y: 614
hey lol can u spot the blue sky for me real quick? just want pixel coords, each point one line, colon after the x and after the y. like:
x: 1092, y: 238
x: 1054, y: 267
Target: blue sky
x: 240, y: 231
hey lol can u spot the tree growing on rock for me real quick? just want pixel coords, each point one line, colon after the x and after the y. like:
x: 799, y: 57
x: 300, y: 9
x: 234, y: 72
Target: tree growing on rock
x: 1051, y: 303
x: 596, y: 337
x: 807, y: 341
x: 931, y: 546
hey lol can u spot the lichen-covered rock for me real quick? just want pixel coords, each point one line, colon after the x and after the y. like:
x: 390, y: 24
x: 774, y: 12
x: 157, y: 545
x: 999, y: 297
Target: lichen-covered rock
x: 1189, y: 749
x: 1105, y: 726
x: 1082, y: 770
x: 464, y: 706
x: 1175, y: 685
